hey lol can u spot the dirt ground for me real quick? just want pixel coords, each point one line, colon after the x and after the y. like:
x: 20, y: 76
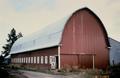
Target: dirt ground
x: 16, y: 74
x: 33, y: 74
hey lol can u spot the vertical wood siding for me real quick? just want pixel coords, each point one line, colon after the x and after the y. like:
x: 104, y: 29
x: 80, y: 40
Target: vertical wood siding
x: 84, y: 34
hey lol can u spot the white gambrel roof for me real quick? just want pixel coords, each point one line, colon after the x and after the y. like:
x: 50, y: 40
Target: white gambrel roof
x: 48, y: 37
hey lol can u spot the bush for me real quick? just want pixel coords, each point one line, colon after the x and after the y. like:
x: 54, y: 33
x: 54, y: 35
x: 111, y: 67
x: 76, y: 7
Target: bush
x: 3, y: 73
x: 115, y: 71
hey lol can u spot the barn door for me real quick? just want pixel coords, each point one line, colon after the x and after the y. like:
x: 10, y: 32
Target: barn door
x: 86, y: 61
x: 54, y: 62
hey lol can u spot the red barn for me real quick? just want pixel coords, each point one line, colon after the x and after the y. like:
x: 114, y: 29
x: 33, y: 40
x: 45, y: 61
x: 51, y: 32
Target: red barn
x: 78, y: 40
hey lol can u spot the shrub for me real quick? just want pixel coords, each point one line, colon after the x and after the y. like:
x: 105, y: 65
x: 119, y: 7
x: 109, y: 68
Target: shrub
x: 115, y: 71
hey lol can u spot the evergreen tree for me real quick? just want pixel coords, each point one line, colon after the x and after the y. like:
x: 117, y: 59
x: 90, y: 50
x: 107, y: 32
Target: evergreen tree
x: 12, y: 37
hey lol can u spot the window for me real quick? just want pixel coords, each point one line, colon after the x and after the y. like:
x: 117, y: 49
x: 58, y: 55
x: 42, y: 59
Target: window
x: 34, y: 59
x: 19, y: 60
x: 50, y: 59
x: 31, y: 59
x: 41, y: 59
x: 12, y: 60
x: 26, y: 60
x: 38, y: 60
x: 15, y: 60
x: 22, y: 59
x: 46, y: 59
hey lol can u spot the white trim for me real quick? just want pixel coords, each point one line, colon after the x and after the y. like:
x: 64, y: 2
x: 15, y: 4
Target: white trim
x: 59, y: 57
x: 109, y: 47
x: 93, y: 62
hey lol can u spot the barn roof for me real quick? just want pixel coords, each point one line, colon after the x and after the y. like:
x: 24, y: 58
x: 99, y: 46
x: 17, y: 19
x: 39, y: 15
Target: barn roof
x: 49, y: 36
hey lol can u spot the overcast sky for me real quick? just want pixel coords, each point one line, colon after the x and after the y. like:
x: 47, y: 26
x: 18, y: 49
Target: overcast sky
x: 28, y: 16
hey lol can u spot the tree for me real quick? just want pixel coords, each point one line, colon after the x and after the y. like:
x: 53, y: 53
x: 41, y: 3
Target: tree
x: 1, y: 60
x: 19, y: 35
x: 12, y: 37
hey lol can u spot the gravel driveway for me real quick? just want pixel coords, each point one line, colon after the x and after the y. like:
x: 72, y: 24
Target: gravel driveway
x: 32, y: 74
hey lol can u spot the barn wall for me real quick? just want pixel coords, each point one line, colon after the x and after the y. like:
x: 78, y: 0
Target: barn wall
x: 44, y: 52
x: 84, y: 34
x: 114, y: 52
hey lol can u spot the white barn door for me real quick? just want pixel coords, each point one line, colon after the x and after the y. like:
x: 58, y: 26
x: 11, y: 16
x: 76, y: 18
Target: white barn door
x: 53, y: 62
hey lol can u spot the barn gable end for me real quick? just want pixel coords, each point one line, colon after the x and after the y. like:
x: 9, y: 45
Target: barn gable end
x: 84, y: 38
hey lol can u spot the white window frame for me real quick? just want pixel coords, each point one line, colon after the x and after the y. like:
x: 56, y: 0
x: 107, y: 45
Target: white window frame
x: 11, y: 60
x: 38, y: 59
x: 31, y: 59
x: 22, y: 60
x: 46, y: 59
x: 26, y: 60
x: 15, y: 60
x: 18, y: 60
x: 34, y: 59
x: 42, y: 59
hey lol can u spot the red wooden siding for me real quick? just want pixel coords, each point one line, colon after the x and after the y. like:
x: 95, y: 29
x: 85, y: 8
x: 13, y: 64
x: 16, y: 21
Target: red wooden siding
x: 43, y: 52
x: 84, y: 34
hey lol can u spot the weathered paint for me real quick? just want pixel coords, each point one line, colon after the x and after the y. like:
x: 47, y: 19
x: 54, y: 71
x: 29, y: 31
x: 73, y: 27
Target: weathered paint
x: 84, y: 36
